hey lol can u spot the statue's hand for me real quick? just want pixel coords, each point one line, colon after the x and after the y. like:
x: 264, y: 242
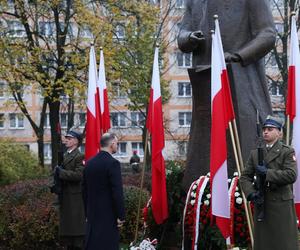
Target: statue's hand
x: 229, y: 57
x: 197, y: 36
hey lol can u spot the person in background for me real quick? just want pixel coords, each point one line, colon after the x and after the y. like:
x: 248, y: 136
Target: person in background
x: 278, y: 229
x: 103, y: 197
x: 71, y: 210
x: 135, y: 162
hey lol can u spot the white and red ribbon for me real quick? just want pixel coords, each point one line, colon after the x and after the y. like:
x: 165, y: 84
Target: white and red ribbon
x: 231, y: 193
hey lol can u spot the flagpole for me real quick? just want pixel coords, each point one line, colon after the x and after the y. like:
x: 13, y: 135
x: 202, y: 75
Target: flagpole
x: 141, y: 187
x: 240, y: 166
x: 288, y: 125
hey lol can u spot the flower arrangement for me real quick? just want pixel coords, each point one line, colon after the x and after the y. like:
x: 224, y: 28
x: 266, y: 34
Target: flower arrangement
x: 146, y: 244
x: 197, y: 227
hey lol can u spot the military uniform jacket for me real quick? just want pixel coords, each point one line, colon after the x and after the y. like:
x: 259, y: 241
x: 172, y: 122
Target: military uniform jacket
x: 72, y: 219
x: 278, y: 231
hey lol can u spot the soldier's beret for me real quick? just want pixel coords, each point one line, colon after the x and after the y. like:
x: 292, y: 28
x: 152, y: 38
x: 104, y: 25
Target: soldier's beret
x: 273, y: 122
x: 74, y: 134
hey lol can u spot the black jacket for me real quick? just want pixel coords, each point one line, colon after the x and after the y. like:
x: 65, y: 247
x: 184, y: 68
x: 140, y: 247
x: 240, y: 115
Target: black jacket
x: 103, y: 201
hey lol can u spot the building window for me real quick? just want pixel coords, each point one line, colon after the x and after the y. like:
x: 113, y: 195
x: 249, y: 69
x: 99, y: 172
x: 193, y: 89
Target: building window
x: 64, y: 98
x: 137, y: 119
x: 16, y: 120
x: 63, y: 120
x: 19, y: 90
x: 46, y: 28
x: 279, y: 28
x: 16, y: 28
x: 185, y: 119
x: 271, y: 60
x: 47, y: 151
x: 118, y: 91
x: 179, y: 3
x: 122, y: 149
x: 47, y: 121
x: 184, y: 59
x: 120, y: 31
x: 2, y: 90
x: 82, y: 148
x: 276, y: 89
x: 81, y: 119
x: 2, y: 120
x: 182, y: 148
x: 280, y: 114
x: 184, y: 89
x: 118, y: 119
x: 138, y: 147
x: 85, y: 32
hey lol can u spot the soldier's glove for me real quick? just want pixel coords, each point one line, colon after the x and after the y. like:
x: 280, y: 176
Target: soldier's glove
x: 261, y: 169
x: 57, y: 170
x: 255, y: 197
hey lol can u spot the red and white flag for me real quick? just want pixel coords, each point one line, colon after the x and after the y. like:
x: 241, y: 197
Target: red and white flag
x: 293, y: 104
x: 104, y: 105
x: 93, y: 126
x: 156, y: 129
x: 221, y: 114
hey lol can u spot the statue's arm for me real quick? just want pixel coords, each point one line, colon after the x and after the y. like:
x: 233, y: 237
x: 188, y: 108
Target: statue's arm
x: 188, y: 39
x: 263, y: 32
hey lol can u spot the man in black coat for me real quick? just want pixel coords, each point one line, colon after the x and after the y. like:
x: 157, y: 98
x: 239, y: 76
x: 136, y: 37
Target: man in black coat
x: 103, y: 197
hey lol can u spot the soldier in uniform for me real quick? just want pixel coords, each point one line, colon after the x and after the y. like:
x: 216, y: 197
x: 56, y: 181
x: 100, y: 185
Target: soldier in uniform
x: 278, y: 230
x: 71, y: 210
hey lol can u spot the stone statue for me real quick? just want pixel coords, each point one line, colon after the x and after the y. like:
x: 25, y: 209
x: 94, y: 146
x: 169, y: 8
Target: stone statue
x: 248, y: 34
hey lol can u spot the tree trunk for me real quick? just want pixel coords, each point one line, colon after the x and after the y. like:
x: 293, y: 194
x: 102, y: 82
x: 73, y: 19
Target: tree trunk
x: 40, y: 142
x: 71, y: 112
x: 147, y: 155
x: 54, y: 123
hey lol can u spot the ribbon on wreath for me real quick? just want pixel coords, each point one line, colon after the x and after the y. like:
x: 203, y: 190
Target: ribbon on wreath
x: 231, y: 193
x: 185, y: 208
x: 200, y: 190
x: 145, y: 212
x: 200, y: 186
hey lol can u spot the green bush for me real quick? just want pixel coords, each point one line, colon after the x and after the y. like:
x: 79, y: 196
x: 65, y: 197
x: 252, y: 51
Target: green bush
x: 17, y: 163
x: 131, y: 197
x: 169, y: 233
x: 27, y: 218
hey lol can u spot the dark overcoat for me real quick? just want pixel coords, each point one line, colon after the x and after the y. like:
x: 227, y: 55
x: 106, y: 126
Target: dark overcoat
x: 104, y: 201
x: 247, y: 29
x: 278, y: 231
x: 72, y: 219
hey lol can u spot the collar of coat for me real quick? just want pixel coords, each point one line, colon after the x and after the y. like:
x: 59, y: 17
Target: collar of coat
x: 273, y: 152
x: 70, y: 156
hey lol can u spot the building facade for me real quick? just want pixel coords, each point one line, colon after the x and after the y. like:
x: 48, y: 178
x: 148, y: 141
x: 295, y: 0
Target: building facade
x: 125, y: 123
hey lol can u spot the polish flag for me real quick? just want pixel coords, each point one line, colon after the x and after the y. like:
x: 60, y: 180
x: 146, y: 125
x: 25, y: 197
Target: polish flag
x: 155, y: 127
x: 93, y: 126
x: 293, y: 104
x: 104, y: 106
x: 221, y: 113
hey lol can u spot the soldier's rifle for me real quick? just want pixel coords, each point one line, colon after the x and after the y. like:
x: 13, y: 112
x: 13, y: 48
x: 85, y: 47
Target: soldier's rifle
x: 260, y: 178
